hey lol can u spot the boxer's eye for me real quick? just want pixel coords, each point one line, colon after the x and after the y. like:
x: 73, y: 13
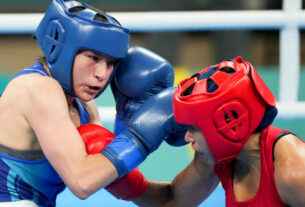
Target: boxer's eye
x: 193, y: 129
x: 94, y: 58
x: 111, y: 62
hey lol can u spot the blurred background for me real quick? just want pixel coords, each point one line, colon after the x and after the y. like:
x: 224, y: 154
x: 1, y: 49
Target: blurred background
x: 187, y: 51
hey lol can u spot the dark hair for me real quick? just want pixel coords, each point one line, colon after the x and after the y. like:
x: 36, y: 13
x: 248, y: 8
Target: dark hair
x: 42, y: 60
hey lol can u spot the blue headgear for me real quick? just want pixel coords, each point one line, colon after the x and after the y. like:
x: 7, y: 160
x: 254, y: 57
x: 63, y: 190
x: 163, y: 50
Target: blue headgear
x: 62, y: 33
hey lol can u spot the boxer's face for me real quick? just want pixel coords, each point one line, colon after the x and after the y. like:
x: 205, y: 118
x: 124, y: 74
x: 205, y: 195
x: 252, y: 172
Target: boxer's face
x: 195, y: 136
x: 91, y: 72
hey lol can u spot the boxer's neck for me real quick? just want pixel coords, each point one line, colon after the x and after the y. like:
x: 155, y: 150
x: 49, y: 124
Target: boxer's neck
x: 248, y: 160
x: 70, y: 100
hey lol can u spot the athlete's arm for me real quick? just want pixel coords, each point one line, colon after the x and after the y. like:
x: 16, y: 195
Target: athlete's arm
x: 189, y: 188
x: 289, y: 168
x: 47, y: 112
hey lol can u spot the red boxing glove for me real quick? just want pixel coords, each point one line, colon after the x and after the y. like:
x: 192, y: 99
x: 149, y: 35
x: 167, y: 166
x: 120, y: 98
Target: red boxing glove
x: 95, y: 137
x: 128, y: 187
x: 131, y: 185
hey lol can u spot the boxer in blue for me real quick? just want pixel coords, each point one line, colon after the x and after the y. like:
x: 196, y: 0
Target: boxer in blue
x: 41, y: 150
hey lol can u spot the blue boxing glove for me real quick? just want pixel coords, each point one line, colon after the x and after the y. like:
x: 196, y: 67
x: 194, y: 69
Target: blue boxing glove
x: 139, y: 75
x: 152, y: 123
x: 176, y: 139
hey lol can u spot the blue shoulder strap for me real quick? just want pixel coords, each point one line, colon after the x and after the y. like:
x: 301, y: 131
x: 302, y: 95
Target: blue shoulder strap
x: 82, y: 111
x: 35, y: 68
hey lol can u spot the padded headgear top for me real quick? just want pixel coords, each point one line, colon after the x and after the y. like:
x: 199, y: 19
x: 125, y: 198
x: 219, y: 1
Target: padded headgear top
x: 227, y: 102
x: 69, y: 26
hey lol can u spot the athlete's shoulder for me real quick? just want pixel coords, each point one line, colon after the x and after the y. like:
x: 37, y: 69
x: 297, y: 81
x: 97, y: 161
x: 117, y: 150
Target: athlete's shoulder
x: 289, y: 166
x: 33, y: 90
x: 35, y: 84
x: 289, y: 156
x: 289, y: 146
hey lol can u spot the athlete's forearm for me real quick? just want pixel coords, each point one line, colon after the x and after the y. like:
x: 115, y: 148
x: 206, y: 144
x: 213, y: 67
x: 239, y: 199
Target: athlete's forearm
x: 157, y: 194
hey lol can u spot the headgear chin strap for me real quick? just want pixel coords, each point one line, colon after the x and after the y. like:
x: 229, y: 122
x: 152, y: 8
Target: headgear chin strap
x: 227, y: 102
x: 63, y: 32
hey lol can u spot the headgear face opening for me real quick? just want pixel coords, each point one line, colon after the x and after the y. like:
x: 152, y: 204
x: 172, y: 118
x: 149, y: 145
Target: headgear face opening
x: 68, y: 27
x: 227, y: 102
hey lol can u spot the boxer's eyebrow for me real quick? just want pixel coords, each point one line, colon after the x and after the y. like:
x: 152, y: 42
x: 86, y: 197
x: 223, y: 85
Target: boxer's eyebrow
x: 193, y: 129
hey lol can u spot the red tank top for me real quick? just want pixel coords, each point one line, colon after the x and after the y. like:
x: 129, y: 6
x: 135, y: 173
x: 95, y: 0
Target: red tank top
x: 267, y: 194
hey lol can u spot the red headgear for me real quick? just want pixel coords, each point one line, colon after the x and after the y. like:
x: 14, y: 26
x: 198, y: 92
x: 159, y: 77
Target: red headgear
x: 227, y: 102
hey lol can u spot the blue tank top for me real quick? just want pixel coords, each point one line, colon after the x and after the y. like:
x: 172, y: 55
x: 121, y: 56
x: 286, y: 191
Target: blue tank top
x: 27, y: 175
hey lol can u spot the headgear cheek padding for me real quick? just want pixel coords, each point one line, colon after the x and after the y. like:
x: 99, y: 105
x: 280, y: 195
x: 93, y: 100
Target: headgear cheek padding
x: 227, y: 105
x: 69, y: 26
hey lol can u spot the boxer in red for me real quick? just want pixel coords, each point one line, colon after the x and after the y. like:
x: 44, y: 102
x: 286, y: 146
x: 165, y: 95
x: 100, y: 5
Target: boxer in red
x: 229, y: 110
